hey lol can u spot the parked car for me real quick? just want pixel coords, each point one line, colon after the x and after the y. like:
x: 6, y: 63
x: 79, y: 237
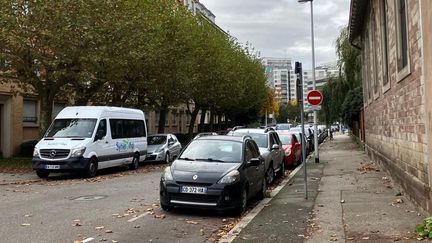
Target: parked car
x: 214, y: 172
x: 88, y: 138
x: 301, y: 139
x: 163, y: 147
x: 309, y: 137
x: 205, y: 134
x: 270, y: 147
x: 283, y: 126
x: 292, y: 148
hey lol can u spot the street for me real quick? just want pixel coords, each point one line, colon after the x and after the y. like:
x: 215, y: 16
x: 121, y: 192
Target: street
x: 123, y: 208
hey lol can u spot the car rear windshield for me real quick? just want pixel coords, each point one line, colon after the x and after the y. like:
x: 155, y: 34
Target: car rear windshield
x: 156, y: 140
x: 285, y: 139
x: 282, y: 127
x: 213, y: 151
x: 71, y: 128
x: 259, y: 138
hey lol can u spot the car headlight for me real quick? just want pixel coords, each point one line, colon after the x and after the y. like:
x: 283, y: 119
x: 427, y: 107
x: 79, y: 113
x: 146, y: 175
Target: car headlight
x: 167, y: 175
x: 35, y: 152
x: 78, y: 152
x: 230, y: 178
x: 160, y: 150
x: 287, y: 152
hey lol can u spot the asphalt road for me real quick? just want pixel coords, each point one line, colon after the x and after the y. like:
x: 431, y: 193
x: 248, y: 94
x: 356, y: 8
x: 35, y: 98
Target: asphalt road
x: 110, y: 208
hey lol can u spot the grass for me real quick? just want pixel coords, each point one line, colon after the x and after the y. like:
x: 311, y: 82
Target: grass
x: 15, y: 164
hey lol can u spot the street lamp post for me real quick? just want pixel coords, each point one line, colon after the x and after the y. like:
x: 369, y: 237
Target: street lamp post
x: 315, y: 113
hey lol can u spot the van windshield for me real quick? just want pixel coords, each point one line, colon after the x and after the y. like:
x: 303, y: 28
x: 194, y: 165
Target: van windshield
x: 71, y: 128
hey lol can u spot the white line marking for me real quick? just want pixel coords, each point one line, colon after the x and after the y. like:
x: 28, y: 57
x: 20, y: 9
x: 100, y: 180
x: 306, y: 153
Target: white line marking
x: 88, y: 240
x: 138, y: 217
x: 314, y: 98
x: 228, y: 238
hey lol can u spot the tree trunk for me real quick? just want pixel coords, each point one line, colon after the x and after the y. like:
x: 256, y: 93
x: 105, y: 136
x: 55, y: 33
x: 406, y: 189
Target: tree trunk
x: 211, y: 121
x: 162, y: 119
x: 194, y: 115
x: 202, y: 120
x: 46, y: 107
x: 219, y: 125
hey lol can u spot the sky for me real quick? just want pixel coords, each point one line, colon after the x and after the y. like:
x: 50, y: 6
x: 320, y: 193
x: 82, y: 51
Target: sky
x: 282, y: 28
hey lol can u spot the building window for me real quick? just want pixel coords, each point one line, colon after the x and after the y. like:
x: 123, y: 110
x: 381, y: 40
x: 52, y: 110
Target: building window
x: 402, y: 39
x: 157, y: 116
x: 384, y: 41
x: 30, y: 112
x: 188, y: 119
x: 174, y: 118
x: 374, y: 41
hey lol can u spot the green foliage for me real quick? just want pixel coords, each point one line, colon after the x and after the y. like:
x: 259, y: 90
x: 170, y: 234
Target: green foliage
x: 425, y: 230
x: 352, y: 105
x: 342, y: 94
x: 145, y: 54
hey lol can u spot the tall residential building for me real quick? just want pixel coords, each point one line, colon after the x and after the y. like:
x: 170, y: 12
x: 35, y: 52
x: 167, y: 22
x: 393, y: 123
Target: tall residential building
x: 278, y: 76
x: 198, y: 8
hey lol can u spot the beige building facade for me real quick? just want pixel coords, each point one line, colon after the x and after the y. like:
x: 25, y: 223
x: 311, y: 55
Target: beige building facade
x: 395, y: 41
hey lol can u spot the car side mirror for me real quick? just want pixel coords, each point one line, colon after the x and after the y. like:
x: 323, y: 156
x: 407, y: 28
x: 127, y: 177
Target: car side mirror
x: 275, y: 147
x: 254, y: 162
x: 99, y: 135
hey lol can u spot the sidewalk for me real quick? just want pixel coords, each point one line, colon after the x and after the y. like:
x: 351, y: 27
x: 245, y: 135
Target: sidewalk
x: 350, y: 200
x: 17, y: 178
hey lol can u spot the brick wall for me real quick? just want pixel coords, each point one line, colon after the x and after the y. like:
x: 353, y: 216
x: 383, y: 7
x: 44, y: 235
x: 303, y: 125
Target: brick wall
x: 395, y: 117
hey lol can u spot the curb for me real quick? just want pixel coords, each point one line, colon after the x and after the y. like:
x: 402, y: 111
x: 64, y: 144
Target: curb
x: 232, y: 234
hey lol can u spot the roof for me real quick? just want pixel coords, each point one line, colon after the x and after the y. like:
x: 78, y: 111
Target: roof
x: 357, y: 16
x: 221, y: 137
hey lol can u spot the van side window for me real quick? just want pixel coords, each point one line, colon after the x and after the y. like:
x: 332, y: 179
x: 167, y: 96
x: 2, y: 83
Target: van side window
x: 102, y: 128
x: 125, y: 128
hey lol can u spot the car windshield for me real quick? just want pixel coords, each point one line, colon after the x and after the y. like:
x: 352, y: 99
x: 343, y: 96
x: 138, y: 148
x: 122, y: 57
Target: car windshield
x: 260, y: 138
x: 70, y: 128
x: 213, y: 151
x: 156, y: 140
x: 285, y: 139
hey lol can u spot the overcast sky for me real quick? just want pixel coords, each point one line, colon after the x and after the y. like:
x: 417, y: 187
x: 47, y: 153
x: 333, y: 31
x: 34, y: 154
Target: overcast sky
x: 281, y: 28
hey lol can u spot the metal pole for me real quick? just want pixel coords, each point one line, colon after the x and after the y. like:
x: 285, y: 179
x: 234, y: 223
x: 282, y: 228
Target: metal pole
x: 315, y: 113
x: 302, y: 137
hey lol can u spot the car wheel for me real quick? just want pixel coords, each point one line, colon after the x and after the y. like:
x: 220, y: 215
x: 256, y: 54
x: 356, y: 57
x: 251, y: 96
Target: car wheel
x: 91, y: 168
x: 261, y: 194
x: 167, y: 158
x: 42, y: 173
x: 135, y: 162
x: 281, y: 172
x: 166, y: 207
x: 243, y: 202
x: 270, y: 175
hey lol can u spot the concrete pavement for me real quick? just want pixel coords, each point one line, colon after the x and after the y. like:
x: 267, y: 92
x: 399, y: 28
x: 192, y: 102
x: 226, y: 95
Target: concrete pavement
x: 350, y: 200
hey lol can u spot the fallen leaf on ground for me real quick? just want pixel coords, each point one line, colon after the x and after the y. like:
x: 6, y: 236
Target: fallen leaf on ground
x: 137, y: 226
x: 99, y: 227
x: 28, y: 215
x: 108, y: 231
x: 342, y: 201
x: 365, y: 238
x: 114, y: 241
x: 192, y: 222
x: 25, y: 224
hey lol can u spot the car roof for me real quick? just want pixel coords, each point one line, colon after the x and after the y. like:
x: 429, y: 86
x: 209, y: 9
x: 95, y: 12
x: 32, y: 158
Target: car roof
x: 160, y: 134
x: 221, y: 137
x: 285, y: 132
x: 251, y: 130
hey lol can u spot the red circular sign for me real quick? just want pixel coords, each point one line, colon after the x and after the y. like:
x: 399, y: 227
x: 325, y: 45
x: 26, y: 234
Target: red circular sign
x: 314, y: 97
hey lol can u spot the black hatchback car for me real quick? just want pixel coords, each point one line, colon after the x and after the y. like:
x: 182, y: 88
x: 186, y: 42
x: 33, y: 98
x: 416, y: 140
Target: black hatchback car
x: 214, y: 172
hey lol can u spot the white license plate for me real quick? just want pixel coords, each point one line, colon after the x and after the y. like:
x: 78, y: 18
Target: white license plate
x: 193, y: 189
x: 52, y: 167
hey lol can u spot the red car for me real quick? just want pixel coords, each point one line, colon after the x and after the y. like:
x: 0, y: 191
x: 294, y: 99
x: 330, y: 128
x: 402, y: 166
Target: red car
x: 292, y: 149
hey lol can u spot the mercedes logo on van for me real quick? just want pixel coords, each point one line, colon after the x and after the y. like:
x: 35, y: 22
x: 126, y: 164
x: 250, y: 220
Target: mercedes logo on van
x: 195, y: 177
x: 53, y: 153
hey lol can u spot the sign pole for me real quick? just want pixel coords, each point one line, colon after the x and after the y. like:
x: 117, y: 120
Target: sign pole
x: 299, y: 72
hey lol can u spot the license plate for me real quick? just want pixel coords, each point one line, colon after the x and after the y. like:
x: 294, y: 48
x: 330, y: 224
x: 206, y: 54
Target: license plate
x: 193, y: 189
x: 52, y: 167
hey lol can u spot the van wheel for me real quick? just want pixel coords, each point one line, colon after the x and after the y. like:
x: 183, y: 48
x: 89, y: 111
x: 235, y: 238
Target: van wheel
x: 42, y: 173
x: 135, y: 162
x: 91, y: 168
x: 281, y: 172
x: 167, y: 158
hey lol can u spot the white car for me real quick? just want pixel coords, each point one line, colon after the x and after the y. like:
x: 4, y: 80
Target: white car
x: 88, y: 138
x: 163, y: 147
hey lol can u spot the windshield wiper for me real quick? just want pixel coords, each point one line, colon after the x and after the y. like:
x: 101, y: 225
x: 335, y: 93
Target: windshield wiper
x: 211, y: 160
x: 188, y: 159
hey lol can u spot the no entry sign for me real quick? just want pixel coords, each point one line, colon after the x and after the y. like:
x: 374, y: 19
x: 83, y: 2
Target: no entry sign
x: 314, y: 97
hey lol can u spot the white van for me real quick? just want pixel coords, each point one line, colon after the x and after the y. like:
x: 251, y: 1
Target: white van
x: 88, y: 138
